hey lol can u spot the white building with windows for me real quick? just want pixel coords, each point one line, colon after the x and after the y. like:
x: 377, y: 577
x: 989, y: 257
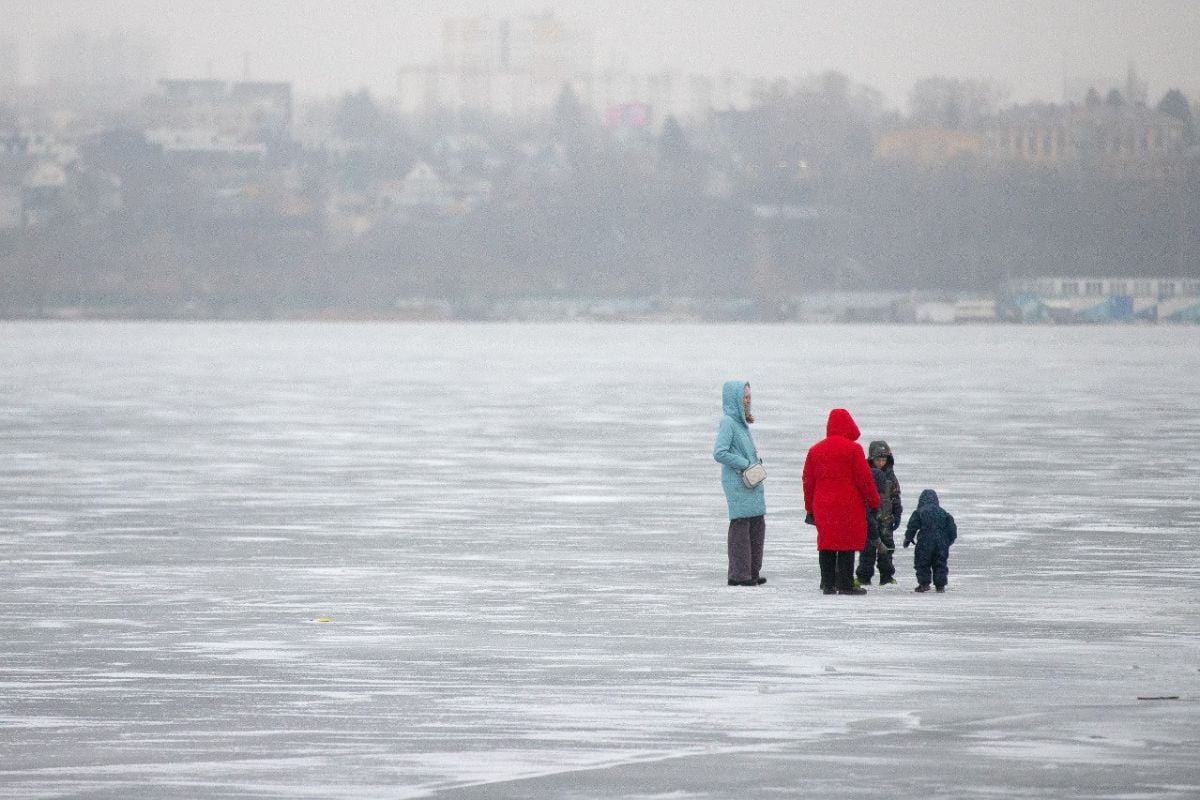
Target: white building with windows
x: 518, y: 67
x: 1093, y: 288
x: 1101, y: 299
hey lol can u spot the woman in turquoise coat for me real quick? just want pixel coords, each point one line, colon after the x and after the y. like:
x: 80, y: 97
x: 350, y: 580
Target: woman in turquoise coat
x: 735, y: 451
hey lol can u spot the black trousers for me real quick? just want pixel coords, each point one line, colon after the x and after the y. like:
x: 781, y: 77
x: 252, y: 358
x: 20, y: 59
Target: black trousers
x: 746, y: 538
x: 837, y: 568
x: 872, y: 553
x: 867, y: 559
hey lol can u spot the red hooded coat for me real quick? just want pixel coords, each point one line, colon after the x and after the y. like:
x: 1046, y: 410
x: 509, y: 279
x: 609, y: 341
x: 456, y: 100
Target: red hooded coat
x: 838, y: 488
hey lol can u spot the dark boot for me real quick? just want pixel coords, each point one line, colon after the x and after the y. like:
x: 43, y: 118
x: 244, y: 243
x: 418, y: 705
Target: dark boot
x: 828, y: 561
x: 844, y: 573
x: 922, y: 587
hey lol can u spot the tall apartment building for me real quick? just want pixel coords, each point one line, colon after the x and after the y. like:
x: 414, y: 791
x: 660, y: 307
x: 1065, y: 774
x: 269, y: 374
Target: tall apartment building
x: 538, y: 45
x: 511, y: 66
x: 519, y: 66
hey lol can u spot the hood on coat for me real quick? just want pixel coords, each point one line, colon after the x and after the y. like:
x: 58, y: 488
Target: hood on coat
x: 842, y: 424
x: 928, y: 498
x: 731, y: 399
x: 879, y: 449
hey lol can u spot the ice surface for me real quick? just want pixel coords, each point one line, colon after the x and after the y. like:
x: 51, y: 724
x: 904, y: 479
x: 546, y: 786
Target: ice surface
x: 517, y: 534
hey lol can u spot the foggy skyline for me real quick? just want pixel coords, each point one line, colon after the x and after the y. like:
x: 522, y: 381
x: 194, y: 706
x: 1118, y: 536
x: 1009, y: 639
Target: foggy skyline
x: 327, y: 48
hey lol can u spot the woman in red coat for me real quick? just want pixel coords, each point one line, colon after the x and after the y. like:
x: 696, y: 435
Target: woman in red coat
x: 838, y: 489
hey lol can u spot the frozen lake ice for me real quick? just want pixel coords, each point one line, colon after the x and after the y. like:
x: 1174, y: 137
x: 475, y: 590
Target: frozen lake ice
x: 517, y: 535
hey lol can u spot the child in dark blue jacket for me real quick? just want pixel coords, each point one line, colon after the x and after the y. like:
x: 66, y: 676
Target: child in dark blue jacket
x: 934, y: 531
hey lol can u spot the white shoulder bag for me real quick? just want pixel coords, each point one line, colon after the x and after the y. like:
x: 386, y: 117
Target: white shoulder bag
x: 753, y: 475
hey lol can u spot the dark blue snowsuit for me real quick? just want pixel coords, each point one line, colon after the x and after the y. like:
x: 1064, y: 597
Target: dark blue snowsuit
x: 934, y: 531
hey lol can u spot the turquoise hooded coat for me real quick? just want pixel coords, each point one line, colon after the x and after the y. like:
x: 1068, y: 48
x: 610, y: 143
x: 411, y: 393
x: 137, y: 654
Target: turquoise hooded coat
x: 735, y: 450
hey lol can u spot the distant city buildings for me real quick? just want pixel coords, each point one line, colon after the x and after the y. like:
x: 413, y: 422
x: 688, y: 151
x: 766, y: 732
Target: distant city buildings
x: 1067, y: 299
x: 512, y: 66
x: 927, y: 146
x: 519, y: 67
x: 246, y: 110
x: 1125, y: 140
x: 464, y: 196
x: 239, y: 120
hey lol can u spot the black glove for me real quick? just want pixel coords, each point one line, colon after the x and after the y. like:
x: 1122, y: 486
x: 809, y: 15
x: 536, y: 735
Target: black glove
x: 895, y: 523
x: 808, y: 519
x: 907, y: 542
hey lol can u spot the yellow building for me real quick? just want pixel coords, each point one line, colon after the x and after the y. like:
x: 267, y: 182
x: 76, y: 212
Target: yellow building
x: 927, y: 146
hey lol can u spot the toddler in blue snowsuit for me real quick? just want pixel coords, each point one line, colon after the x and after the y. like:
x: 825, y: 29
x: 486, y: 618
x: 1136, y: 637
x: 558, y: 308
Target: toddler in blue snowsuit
x: 933, y: 529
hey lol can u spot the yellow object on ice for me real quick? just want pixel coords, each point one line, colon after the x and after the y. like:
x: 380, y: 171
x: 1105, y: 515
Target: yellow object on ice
x: 322, y: 619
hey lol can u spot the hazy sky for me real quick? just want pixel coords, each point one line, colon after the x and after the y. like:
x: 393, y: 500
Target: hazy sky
x: 327, y: 46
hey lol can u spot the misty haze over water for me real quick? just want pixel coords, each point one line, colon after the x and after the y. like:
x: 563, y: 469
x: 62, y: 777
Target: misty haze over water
x: 327, y: 48
x: 523, y: 164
